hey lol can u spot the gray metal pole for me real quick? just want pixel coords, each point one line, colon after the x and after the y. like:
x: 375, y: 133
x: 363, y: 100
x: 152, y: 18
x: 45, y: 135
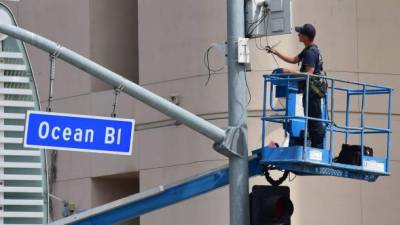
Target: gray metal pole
x: 238, y: 165
x: 196, y: 123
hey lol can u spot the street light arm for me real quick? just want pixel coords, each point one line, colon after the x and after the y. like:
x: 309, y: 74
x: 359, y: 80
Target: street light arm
x: 166, y: 107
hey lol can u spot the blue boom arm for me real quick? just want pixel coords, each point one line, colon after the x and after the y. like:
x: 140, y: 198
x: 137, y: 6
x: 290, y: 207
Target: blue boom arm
x: 160, y: 197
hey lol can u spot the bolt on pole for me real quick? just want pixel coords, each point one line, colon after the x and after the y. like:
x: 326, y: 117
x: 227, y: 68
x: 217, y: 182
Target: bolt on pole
x: 238, y: 165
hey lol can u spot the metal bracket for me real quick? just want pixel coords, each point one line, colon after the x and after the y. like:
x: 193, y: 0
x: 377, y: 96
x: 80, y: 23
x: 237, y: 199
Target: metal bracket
x: 117, y: 92
x: 235, y: 142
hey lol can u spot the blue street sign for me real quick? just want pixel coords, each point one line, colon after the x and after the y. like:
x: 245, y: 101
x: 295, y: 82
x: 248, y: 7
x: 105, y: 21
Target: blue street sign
x: 79, y: 133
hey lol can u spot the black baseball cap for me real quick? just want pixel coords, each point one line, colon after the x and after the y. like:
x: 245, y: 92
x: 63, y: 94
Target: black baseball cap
x: 307, y: 29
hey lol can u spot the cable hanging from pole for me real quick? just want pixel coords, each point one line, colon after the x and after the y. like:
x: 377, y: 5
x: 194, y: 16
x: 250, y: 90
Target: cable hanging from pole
x: 53, y: 154
x: 53, y: 56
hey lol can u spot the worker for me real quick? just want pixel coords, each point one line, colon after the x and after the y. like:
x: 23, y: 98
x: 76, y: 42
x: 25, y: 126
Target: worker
x: 311, y: 63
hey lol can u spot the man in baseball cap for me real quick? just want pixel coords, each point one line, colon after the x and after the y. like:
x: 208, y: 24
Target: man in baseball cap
x: 308, y: 30
x: 309, y: 57
x: 311, y: 63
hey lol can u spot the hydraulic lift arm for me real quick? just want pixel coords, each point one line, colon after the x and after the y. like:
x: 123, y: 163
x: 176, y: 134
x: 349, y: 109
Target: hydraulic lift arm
x: 156, y: 198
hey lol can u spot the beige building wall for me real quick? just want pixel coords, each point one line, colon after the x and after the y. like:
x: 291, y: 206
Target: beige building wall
x: 359, y: 42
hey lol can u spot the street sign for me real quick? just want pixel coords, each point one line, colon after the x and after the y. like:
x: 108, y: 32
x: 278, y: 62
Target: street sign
x: 79, y: 133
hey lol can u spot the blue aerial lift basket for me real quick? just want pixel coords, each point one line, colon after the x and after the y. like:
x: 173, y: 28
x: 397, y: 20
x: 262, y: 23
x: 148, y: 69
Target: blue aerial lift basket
x: 305, y: 160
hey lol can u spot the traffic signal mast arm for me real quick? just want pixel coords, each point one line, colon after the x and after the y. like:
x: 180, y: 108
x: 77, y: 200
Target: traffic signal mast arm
x: 166, y: 107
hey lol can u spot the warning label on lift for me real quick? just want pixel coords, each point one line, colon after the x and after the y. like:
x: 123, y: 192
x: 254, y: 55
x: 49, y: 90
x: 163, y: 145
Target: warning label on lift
x: 316, y: 155
x: 374, y: 166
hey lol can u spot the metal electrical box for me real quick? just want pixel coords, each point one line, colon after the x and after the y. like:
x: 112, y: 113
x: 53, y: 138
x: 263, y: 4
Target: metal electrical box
x: 268, y: 17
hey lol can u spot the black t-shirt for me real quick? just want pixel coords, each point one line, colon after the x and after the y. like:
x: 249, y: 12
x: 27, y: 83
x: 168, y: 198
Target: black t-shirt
x: 310, y: 56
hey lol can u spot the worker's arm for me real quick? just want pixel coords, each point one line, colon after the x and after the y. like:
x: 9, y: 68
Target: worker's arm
x: 284, y: 57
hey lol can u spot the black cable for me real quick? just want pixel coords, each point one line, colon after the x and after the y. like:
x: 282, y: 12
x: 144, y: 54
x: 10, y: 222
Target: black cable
x: 250, y: 30
x: 275, y: 182
x: 206, y: 61
x: 255, y: 24
x: 247, y: 86
x: 266, y: 26
x: 259, y: 45
x: 258, y: 41
x: 276, y: 61
x: 261, y: 20
x: 252, y: 23
x: 292, y: 179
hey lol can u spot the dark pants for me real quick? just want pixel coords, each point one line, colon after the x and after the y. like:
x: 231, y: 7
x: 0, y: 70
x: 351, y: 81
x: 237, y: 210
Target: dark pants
x: 315, y: 128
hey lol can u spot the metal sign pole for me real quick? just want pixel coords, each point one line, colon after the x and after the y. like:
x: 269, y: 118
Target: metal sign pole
x: 238, y: 163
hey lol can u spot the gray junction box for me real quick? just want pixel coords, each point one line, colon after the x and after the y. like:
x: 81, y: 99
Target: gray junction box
x: 268, y: 17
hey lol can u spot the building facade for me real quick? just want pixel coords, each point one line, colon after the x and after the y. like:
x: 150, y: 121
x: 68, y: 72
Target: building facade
x: 160, y: 45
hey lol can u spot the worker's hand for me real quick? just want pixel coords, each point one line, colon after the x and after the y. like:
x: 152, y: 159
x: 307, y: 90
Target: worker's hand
x: 273, y: 144
x: 269, y: 49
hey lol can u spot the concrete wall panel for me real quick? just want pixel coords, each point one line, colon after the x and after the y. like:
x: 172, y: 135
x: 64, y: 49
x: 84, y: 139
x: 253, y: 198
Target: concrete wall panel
x: 194, y: 95
x: 173, y: 145
x: 379, y: 200
x: 114, y: 38
x: 327, y: 200
x: 377, y: 103
x: 378, y: 24
x: 66, y: 22
x: 174, y: 36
